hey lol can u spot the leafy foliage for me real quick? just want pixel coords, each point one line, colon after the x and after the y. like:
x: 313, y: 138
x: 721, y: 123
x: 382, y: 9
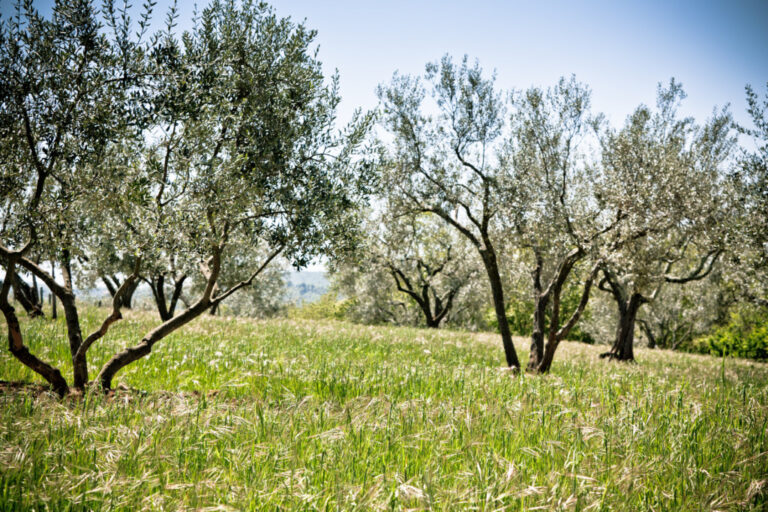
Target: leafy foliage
x: 745, y: 335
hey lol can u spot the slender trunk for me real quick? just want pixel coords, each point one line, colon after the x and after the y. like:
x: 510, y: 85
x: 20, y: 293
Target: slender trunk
x: 178, y: 287
x: 648, y: 331
x: 111, y: 287
x: 549, y: 356
x: 80, y: 364
x: 37, y: 296
x: 21, y: 352
x: 25, y: 296
x: 537, y: 337
x: 497, y: 291
x: 54, y: 313
x: 157, y: 284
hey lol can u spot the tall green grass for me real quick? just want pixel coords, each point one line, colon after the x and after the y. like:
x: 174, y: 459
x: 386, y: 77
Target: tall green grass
x: 232, y: 414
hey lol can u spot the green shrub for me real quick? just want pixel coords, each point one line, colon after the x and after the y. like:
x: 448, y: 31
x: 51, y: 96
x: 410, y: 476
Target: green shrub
x: 326, y: 307
x: 745, y: 335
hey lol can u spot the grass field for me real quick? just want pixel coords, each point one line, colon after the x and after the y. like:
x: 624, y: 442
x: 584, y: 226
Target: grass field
x: 232, y: 414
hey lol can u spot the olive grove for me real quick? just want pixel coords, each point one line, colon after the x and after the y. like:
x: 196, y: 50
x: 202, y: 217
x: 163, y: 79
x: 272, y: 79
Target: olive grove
x: 202, y: 164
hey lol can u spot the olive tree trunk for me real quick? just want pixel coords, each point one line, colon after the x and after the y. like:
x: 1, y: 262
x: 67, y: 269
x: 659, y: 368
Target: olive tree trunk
x: 622, y: 349
x: 488, y: 255
x: 16, y: 342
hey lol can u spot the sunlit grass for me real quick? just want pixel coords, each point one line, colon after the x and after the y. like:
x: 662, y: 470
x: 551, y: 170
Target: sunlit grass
x: 231, y: 414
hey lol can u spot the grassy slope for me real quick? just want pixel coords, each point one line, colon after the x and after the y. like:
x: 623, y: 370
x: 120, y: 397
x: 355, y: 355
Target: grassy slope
x: 327, y: 415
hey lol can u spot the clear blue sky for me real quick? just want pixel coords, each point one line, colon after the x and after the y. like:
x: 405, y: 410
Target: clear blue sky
x: 621, y: 49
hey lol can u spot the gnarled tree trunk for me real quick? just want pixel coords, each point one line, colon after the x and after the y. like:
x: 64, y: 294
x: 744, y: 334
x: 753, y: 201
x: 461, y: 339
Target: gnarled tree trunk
x: 211, y: 271
x: 622, y: 349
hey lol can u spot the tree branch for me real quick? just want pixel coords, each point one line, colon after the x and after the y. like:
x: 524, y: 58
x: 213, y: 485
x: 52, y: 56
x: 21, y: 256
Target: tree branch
x: 563, y: 332
x: 117, y: 301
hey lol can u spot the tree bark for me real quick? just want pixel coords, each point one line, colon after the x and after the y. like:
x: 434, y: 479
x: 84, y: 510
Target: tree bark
x: 622, y: 349
x: 178, y: 287
x: 127, y: 301
x: 157, y: 284
x: 16, y: 343
x: 497, y: 292
x: 67, y: 297
x: 75, y: 336
x: 540, y: 302
x: 111, y: 287
x: 648, y: 331
x: 54, y: 313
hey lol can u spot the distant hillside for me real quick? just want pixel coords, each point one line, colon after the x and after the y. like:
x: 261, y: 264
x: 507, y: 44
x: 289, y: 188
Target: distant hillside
x: 306, y: 286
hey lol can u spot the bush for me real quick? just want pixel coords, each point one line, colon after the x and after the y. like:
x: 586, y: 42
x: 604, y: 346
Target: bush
x: 745, y: 335
x: 326, y: 307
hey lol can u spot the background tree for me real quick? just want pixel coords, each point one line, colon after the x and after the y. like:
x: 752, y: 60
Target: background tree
x: 428, y: 267
x: 503, y: 180
x: 747, y: 261
x: 679, y: 314
x: 557, y: 221
x: 104, y: 267
x: 447, y: 164
x: 665, y: 177
x: 265, y: 298
x: 27, y: 295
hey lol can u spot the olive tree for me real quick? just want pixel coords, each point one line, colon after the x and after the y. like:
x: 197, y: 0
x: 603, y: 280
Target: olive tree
x: 234, y: 146
x: 428, y: 266
x: 666, y: 178
x: 65, y: 87
x: 558, y: 222
x: 443, y: 160
x: 247, y: 155
x: 747, y: 261
x: 504, y: 171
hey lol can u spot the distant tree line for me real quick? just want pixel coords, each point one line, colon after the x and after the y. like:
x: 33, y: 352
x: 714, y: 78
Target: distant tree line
x: 665, y: 218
